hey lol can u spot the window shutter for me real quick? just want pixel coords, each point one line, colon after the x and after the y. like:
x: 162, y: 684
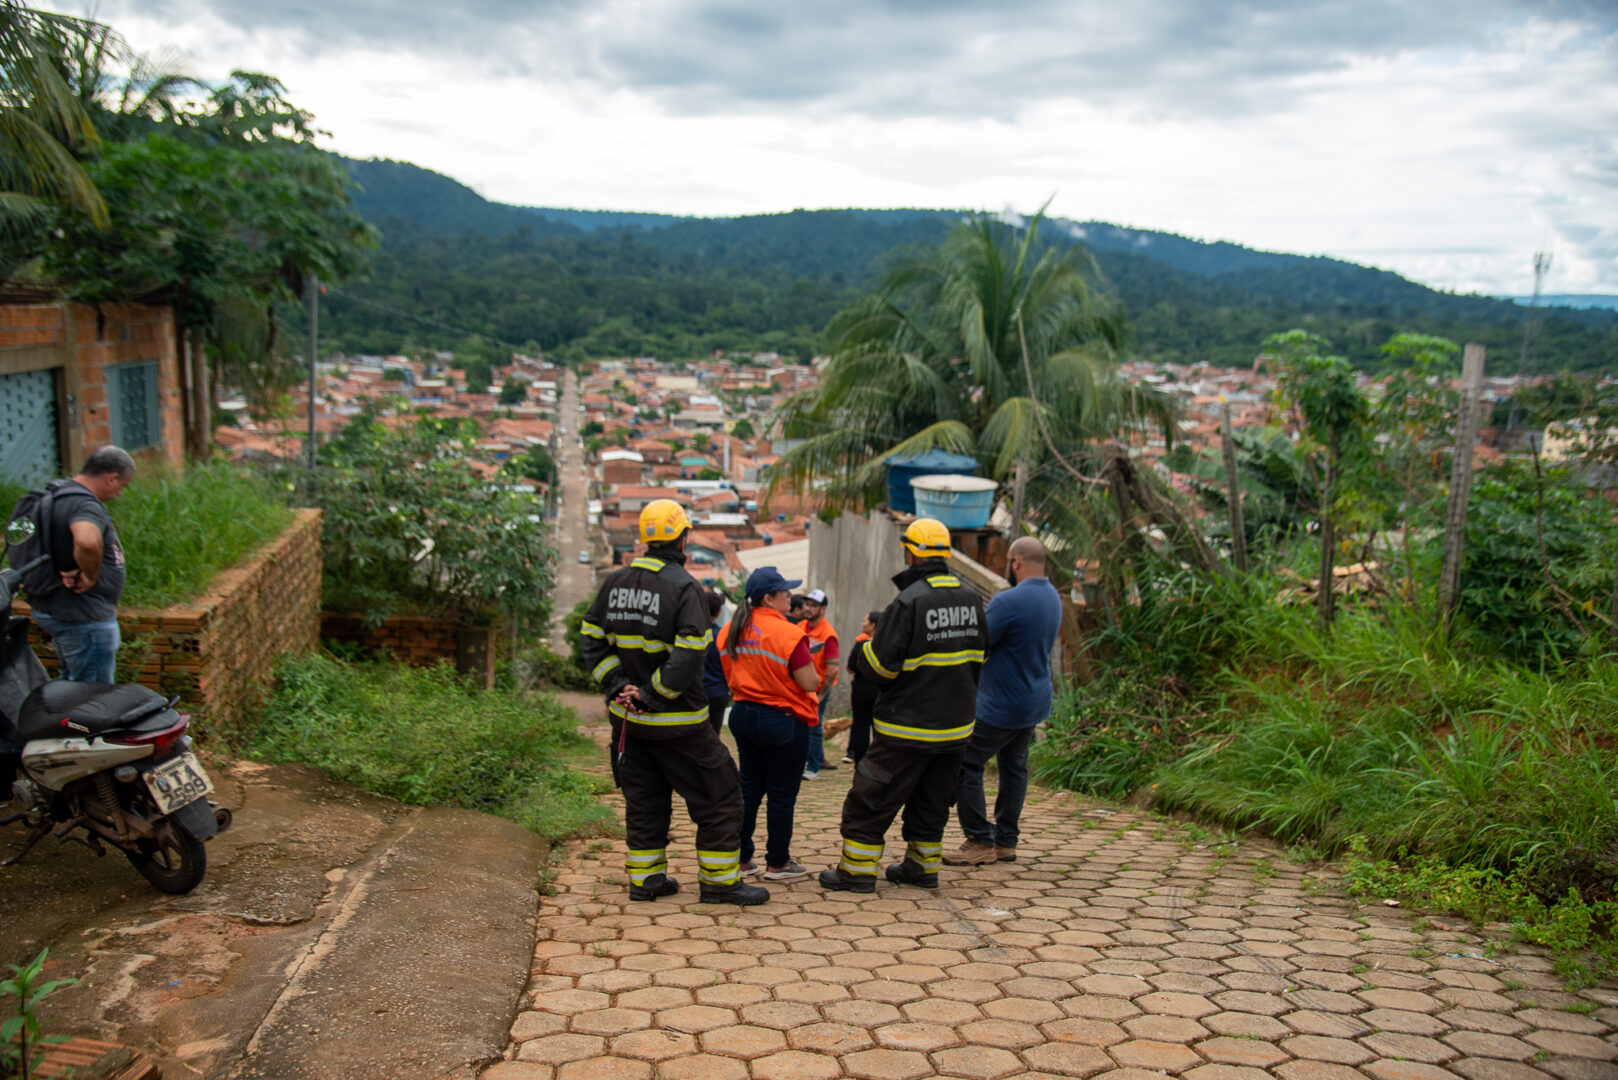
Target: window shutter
x: 115, y: 405
x: 154, y: 411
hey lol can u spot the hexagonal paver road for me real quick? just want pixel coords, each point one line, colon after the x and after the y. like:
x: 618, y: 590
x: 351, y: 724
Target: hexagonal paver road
x: 1115, y: 947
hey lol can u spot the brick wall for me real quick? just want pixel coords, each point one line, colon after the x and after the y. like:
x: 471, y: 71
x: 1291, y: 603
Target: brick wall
x: 83, y: 344
x: 421, y: 640
x: 218, y: 652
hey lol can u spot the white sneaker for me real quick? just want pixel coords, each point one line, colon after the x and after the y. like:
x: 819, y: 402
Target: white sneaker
x: 792, y: 871
x: 807, y: 775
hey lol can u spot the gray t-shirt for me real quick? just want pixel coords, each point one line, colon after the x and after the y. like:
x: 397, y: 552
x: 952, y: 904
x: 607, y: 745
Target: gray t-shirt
x: 74, y: 502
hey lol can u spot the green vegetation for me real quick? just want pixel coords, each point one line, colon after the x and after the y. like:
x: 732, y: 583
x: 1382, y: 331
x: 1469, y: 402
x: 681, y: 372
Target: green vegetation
x: 1578, y: 933
x: 423, y: 736
x: 119, y: 180
x: 19, y: 1030
x: 683, y: 287
x: 411, y: 526
x: 988, y: 344
x: 179, y: 529
x: 1226, y: 705
x: 573, y: 297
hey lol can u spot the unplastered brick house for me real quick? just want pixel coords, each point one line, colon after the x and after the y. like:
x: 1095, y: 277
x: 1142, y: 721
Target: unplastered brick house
x: 74, y: 378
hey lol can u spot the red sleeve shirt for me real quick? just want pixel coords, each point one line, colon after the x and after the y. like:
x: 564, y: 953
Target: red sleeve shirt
x: 800, y: 655
x: 831, y: 649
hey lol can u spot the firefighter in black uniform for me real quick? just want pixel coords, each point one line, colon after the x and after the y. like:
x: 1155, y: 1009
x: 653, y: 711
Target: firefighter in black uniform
x: 924, y: 658
x: 644, y: 639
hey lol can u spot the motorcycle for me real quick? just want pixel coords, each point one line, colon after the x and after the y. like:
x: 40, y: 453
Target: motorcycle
x: 94, y: 763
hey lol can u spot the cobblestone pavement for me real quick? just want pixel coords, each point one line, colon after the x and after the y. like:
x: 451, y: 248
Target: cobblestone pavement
x: 1117, y: 946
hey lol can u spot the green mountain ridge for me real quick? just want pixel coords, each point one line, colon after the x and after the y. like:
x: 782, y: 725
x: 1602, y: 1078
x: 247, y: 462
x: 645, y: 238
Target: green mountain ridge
x: 668, y: 285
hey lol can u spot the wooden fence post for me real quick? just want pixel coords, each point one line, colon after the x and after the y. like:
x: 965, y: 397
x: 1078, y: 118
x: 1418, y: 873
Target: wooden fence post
x: 1233, y: 493
x: 1460, y: 479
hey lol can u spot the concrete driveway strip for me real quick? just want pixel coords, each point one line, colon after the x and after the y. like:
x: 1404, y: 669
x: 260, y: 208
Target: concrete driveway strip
x: 421, y: 966
x: 337, y: 934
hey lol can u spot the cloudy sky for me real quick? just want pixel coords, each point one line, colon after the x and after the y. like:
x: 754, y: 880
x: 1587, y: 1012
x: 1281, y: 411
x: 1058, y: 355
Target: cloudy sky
x: 1445, y: 139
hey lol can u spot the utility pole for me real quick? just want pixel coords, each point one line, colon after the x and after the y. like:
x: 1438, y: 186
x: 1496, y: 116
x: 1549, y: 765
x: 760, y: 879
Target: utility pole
x: 314, y: 340
x: 1233, y: 493
x: 1542, y: 265
x: 1460, y: 480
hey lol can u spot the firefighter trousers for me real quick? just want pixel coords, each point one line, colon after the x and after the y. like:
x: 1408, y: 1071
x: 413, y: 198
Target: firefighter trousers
x: 700, y: 769
x: 890, y: 778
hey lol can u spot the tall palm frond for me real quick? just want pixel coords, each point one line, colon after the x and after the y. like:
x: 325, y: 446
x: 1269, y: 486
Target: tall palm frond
x: 934, y: 358
x: 43, y: 129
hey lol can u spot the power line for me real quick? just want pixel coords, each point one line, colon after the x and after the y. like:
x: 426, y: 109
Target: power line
x: 390, y: 309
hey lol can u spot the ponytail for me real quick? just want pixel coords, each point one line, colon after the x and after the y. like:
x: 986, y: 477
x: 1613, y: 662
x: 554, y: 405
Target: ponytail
x: 739, y: 622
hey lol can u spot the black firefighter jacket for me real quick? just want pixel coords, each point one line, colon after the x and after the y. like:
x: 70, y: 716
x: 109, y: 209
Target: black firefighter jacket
x: 648, y: 627
x: 925, y: 657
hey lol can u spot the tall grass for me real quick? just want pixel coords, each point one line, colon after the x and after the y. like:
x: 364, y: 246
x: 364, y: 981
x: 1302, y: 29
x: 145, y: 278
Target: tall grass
x: 179, y: 529
x: 423, y: 736
x: 1236, y: 709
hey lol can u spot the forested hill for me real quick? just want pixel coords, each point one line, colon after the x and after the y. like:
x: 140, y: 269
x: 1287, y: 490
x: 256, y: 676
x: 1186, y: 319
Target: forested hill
x: 610, y: 283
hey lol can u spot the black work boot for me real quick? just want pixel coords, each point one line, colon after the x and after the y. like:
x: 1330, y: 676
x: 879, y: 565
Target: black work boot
x: 739, y: 893
x: 910, y: 872
x: 657, y: 885
x: 833, y: 878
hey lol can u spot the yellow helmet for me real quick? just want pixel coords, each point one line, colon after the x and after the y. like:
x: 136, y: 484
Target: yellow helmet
x: 663, y: 520
x: 926, y: 538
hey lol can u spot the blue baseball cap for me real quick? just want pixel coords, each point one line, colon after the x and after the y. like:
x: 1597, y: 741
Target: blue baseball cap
x: 766, y: 580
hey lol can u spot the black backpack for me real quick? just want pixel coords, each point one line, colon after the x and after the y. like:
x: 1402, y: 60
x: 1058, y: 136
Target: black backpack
x: 43, y: 507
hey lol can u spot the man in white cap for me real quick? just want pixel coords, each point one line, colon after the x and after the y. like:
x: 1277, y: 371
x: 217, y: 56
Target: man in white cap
x: 823, y: 647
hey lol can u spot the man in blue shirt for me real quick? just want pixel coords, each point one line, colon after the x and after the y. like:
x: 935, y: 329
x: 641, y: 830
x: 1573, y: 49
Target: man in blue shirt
x: 1014, y: 697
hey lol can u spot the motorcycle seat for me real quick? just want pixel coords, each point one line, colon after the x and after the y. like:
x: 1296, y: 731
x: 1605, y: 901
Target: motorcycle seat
x: 63, y: 710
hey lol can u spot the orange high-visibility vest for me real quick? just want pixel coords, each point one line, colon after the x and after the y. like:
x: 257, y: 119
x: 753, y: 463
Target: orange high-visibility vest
x: 818, y: 636
x: 759, y: 671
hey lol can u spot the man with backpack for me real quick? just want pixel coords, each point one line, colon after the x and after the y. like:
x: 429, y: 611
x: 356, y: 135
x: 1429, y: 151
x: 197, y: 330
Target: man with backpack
x: 74, y: 597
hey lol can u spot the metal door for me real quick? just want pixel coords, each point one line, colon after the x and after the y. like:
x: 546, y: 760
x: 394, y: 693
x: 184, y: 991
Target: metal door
x: 30, y: 450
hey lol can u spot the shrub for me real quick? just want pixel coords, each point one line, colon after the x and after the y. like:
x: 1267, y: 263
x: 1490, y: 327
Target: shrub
x: 411, y: 526
x: 1538, y: 561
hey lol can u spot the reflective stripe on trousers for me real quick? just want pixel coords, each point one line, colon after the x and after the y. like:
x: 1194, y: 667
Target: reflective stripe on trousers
x: 644, y: 863
x: 719, y: 867
x: 925, y: 853
x: 859, y: 859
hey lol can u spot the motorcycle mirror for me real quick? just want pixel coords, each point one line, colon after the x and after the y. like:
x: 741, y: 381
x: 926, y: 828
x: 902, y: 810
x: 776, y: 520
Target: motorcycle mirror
x: 20, y: 530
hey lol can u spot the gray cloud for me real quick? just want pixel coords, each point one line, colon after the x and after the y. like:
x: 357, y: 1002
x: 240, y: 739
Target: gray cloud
x: 911, y: 57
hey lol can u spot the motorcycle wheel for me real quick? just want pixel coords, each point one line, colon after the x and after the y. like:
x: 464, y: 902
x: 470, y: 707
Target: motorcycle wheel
x: 173, y: 863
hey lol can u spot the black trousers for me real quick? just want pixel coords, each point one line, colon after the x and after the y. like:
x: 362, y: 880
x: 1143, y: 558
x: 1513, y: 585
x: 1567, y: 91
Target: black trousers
x: 861, y: 701
x: 888, y: 779
x: 700, y: 769
x: 716, y: 713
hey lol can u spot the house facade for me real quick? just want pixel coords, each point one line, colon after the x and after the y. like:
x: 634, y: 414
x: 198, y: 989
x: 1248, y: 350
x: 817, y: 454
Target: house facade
x: 74, y: 378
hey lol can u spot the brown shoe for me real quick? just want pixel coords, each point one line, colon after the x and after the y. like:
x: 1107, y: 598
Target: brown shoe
x: 971, y: 853
x: 1005, y: 854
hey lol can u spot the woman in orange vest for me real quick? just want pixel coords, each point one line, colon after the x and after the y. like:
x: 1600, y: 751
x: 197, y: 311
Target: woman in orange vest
x: 772, y: 680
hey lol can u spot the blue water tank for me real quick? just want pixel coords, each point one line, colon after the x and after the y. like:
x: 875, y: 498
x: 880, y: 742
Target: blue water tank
x: 902, y: 470
x: 960, y: 502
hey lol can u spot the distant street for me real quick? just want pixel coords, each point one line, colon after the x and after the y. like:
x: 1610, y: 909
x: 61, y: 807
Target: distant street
x: 575, y: 581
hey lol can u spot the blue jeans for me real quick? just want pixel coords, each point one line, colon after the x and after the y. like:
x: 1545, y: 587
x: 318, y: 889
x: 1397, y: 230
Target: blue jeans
x: 1010, y: 747
x: 817, y: 742
x: 88, y: 650
x: 770, y: 745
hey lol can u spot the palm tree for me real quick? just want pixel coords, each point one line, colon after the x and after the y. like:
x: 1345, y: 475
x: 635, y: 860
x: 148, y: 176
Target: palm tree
x: 990, y: 344
x: 125, y: 93
x: 43, y: 126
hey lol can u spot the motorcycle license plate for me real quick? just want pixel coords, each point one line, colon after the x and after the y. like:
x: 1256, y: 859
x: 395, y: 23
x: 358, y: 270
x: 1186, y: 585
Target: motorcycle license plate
x: 178, y: 781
